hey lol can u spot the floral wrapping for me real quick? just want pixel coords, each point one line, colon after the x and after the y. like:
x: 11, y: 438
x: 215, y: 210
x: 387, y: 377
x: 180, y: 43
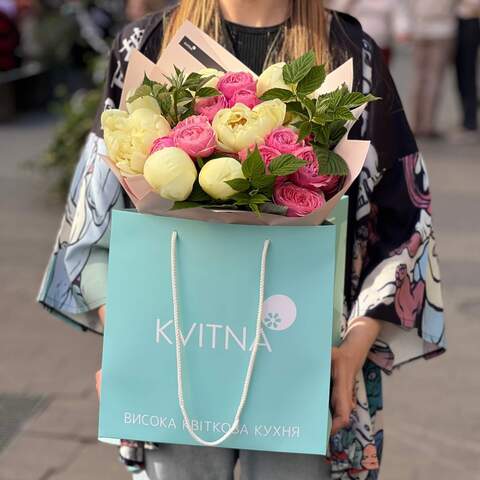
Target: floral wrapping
x: 393, y: 274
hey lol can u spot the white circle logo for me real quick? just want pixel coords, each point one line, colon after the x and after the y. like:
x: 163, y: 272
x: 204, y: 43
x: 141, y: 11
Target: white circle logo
x: 279, y: 312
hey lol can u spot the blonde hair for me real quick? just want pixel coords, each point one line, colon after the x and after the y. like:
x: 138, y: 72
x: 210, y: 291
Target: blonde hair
x: 305, y: 30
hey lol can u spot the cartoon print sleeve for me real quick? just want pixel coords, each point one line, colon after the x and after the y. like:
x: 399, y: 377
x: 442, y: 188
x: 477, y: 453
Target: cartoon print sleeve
x: 395, y: 257
x: 94, y: 192
x: 93, y: 280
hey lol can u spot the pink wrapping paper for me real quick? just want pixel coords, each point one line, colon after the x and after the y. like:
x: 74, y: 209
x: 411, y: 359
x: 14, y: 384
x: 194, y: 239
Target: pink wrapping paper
x: 183, y: 52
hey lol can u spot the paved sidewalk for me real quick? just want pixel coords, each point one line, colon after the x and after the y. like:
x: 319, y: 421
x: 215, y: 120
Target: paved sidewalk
x: 432, y: 415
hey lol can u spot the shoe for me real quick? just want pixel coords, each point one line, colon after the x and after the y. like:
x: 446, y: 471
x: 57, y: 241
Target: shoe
x: 464, y: 137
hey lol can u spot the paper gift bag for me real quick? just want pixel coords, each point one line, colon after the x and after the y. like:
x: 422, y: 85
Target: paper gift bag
x: 218, y: 334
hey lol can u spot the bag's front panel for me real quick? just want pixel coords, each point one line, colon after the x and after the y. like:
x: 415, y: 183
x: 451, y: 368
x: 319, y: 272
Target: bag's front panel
x: 218, y: 268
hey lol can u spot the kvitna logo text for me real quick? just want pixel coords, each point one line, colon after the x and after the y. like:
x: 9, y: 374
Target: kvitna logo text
x: 279, y: 314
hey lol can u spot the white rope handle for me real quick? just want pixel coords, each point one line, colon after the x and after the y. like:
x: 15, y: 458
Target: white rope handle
x: 253, y: 355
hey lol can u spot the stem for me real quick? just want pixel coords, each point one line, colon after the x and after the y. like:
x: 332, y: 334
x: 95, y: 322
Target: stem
x: 175, y: 106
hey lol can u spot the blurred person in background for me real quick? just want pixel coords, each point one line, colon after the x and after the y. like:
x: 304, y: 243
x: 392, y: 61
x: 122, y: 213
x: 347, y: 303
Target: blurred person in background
x: 9, y: 35
x: 9, y: 7
x: 433, y: 41
x: 386, y: 21
x: 468, y: 41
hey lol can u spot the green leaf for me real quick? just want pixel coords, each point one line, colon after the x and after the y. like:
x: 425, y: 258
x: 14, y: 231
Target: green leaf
x: 186, y: 204
x: 188, y: 112
x: 329, y: 135
x: 192, y: 80
x: 179, y: 73
x: 204, y: 80
x: 309, y: 104
x: 355, y: 99
x: 337, y: 131
x: 221, y: 206
x: 147, y: 81
x: 296, y: 107
x: 241, y: 198
x: 270, y: 207
x: 264, y: 182
x: 338, y: 95
x: 297, y: 70
x: 239, y: 184
x: 182, y: 94
x: 258, y: 199
x: 141, y: 91
x: 324, y: 118
x: 343, y: 113
x: 166, y: 103
x: 285, y: 165
x: 254, y: 208
x: 312, y: 81
x: 281, y: 93
x: 208, y: 92
x: 321, y: 134
x: 253, y: 166
x: 158, y: 89
x: 304, y: 131
x: 330, y: 163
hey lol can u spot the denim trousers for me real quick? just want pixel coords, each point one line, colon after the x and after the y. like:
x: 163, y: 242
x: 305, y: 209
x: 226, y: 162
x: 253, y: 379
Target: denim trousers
x: 181, y: 462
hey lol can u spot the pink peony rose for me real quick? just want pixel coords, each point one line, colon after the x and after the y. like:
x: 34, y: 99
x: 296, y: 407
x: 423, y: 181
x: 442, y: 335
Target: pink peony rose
x: 308, y: 176
x: 162, y: 142
x: 330, y: 185
x: 246, y: 97
x: 192, y: 120
x: 283, y: 139
x: 232, y: 82
x: 267, y: 153
x: 210, y: 106
x: 195, y: 136
x: 300, y: 201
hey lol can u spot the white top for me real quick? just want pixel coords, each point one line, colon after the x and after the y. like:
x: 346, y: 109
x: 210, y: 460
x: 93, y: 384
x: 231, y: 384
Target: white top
x: 383, y: 20
x: 433, y: 19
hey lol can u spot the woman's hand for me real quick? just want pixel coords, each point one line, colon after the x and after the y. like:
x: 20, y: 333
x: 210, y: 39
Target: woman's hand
x: 98, y: 376
x: 98, y: 382
x: 347, y: 361
x: 101, y: 314
x: 343, y: 389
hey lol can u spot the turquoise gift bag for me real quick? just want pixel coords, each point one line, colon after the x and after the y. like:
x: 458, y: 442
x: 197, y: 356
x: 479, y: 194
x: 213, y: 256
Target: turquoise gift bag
x: 218, y: 334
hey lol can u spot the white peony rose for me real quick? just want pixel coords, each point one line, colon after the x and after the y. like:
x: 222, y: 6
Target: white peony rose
x: 171, y: 173
x: 239, y: 127
x: 144, y: 102
x: 215, y: 173
x: 208, y: 72
x: 270, y: 78
x: 129, y: 137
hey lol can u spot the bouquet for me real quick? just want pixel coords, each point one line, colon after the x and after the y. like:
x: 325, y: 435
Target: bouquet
x: 198, y: 136
x: 227, y: 141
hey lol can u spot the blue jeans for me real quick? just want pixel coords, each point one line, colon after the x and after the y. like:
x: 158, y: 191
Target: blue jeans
x: 180, y: 462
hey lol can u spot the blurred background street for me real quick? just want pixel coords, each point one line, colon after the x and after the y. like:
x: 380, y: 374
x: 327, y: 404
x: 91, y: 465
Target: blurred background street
x: 48, y: 405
